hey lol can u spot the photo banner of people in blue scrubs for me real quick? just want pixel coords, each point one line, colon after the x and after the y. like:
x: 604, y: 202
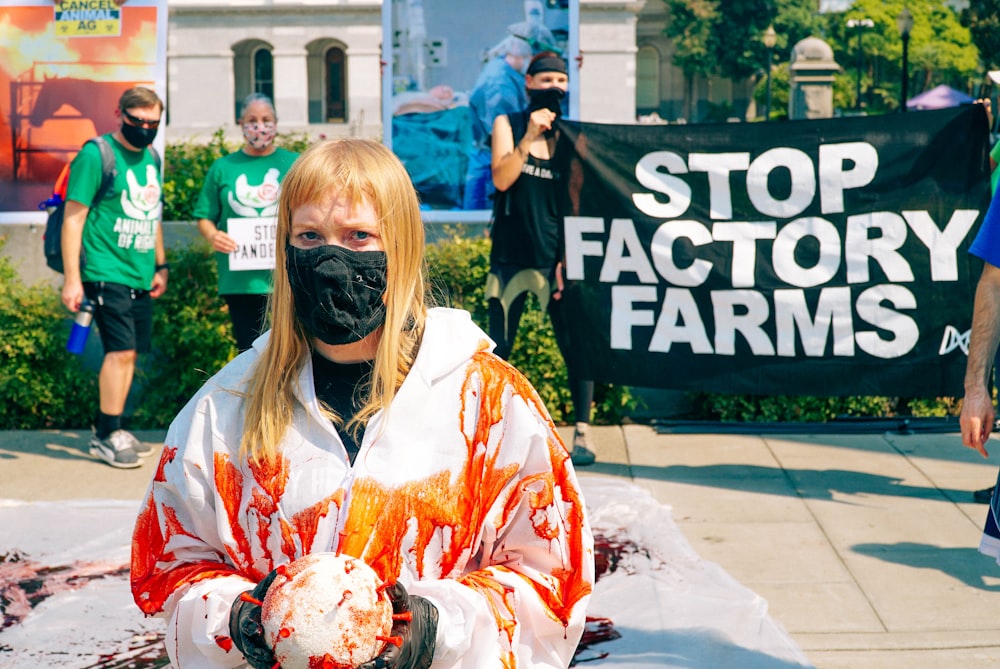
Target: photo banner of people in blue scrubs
x: 821, y: 257
x: 444, y: 84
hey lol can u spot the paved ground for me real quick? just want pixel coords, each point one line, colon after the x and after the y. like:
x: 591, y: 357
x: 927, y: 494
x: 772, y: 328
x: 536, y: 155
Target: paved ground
x: 863, y: 545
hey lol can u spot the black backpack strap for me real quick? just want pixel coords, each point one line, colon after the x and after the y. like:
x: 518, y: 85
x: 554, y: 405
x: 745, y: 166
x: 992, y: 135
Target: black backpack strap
x: 108, y: 171
x: 156, y: 156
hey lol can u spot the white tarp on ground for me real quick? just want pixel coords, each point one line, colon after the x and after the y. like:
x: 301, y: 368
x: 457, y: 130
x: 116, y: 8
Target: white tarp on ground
x: 65, y: 599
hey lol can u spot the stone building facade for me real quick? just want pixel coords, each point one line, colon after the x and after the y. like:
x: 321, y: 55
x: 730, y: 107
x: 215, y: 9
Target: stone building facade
x: 323, y: 61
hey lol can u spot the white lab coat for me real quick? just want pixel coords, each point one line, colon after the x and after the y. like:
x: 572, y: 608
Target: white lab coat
x: 462, y: 490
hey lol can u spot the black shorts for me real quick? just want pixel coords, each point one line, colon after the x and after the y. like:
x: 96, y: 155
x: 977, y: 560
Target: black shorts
x: 124, y: 316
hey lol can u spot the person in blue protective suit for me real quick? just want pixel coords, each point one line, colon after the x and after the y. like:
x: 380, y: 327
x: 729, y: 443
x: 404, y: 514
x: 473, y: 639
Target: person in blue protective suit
x: 498, y: 90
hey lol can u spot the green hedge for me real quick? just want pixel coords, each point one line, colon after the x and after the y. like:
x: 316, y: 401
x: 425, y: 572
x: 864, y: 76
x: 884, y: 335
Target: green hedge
x: 41, y: 385
x: 192, y: 337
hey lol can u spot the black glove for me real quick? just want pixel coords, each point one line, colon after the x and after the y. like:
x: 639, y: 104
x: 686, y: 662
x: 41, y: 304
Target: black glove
x: 418, y: 633
x: 245, y: 627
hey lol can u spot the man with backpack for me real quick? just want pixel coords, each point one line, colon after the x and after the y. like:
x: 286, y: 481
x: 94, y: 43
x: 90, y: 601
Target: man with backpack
x: 113, y: 256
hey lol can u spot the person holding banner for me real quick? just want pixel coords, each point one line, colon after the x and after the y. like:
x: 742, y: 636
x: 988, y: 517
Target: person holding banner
x: 235, y: 212
x: 367, y: 424
x: 526, y: 233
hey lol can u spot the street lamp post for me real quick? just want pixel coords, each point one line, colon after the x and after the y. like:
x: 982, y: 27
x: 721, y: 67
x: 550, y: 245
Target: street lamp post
x: 905, y: 24
x: 770, y: 39
x: 860, y: 24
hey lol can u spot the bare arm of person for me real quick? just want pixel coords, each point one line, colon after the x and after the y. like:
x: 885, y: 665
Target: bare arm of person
x: 161, y: 275
x: 74, y: 218
x: 507, y: 157
x: 977, y: 406
x: 219, y: 240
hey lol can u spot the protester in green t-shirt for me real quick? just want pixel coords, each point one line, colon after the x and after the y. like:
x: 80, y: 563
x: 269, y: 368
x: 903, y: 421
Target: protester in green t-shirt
x: 125, y: 267
x: 236, y: 212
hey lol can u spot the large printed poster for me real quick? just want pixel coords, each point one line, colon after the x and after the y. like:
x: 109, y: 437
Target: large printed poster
x: 63, y: 67
x: 439, y: 49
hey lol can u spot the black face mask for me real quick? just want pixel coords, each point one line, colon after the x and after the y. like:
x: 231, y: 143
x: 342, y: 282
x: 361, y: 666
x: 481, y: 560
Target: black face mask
x: 338, y: 292
x: 138, y: 137
x: 546, y: 98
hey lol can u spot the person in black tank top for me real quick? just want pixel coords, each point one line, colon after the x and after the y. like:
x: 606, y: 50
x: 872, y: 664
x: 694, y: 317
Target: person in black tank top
x: 526, y: 232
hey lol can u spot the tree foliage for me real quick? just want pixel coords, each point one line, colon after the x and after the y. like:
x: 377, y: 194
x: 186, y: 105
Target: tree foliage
x: 940, y: 49
x: 690, y: 26
x: 725, y: 38
x: 982, y: 18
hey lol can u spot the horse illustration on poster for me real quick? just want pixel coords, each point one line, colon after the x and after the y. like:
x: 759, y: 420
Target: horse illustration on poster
x: 53, y: 117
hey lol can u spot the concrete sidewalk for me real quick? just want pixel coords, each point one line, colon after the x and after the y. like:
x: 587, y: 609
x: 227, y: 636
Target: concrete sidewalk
x: 864, y: 545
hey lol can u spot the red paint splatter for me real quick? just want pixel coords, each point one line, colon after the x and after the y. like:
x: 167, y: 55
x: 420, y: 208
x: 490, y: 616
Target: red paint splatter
x: 327, y: 662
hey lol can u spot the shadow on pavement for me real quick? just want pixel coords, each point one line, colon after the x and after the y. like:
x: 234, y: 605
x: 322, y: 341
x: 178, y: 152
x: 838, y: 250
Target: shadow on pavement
x: 685, y: 648
x: 805, y: 483
x: 966, y: 565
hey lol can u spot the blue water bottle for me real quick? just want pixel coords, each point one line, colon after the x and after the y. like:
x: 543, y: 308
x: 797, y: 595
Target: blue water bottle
x: 81, y: 328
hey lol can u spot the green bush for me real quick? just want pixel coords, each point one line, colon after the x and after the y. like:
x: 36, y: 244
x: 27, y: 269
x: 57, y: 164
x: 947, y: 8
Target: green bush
x: 41, y: 384
x: 192, y: 337
x: 783, y: 408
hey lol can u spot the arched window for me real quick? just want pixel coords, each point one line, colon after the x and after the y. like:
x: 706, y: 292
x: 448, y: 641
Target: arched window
x: 336, y: 88
x: 263, y: 72
x: 647, y: 84
x: 327, y: 73
x: 253, y: 71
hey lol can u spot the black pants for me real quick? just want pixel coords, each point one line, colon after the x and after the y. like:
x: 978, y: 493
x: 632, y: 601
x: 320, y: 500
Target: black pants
x: 249, y: 316
x: 581, y: 391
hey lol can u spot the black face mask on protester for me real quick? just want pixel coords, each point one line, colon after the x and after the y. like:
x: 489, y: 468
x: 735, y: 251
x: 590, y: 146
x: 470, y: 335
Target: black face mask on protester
x: 546, y: 98
x: 338, y: 292
x: 138, y: 137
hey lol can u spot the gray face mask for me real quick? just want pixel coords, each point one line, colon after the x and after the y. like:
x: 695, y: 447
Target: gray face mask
x: 338, y: 292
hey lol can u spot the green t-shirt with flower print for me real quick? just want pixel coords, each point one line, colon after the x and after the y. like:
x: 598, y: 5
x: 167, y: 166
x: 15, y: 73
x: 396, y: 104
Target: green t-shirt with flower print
x: 119, y: 236
x: 240, y: 195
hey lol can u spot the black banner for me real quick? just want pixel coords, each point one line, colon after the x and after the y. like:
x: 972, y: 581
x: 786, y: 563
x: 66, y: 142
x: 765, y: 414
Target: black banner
x: 823, y: 257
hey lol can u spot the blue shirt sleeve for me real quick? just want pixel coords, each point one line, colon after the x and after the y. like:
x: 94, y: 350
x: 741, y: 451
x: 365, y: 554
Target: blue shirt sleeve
x: 986, y: 245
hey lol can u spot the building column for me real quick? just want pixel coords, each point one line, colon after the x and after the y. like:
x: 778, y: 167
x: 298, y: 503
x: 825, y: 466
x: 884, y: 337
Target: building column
x: 291, y: 84
x: 608, y: 46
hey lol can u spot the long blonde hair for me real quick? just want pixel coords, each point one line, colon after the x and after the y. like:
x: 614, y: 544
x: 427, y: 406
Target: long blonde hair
x: 359, y: 171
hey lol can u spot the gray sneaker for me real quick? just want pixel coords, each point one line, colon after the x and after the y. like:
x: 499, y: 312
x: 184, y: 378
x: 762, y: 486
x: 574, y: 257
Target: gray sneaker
x: 141, y: 448
x: 116, y: 450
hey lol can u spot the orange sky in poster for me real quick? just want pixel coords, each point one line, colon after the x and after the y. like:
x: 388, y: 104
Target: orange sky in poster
x: 31, y: 55
x: 29, y: 39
